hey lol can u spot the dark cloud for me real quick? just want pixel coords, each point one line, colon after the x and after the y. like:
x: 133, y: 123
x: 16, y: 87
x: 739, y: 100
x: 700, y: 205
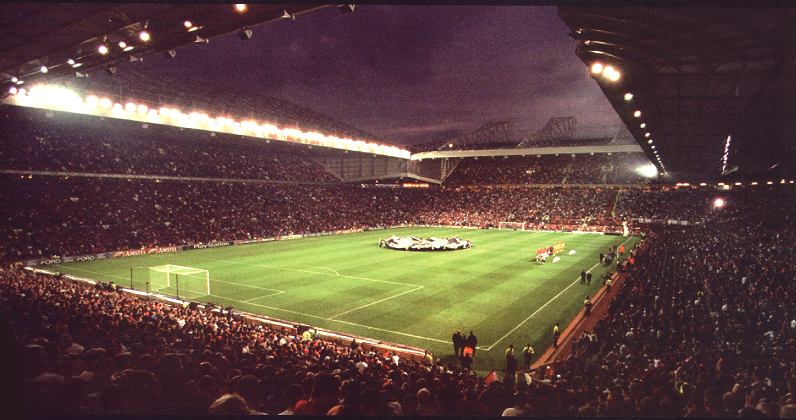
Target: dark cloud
x: 409, y: 74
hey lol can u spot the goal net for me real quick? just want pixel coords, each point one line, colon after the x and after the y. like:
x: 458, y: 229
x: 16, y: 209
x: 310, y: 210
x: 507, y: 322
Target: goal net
x: 175, y: 280
x: 512, y: 225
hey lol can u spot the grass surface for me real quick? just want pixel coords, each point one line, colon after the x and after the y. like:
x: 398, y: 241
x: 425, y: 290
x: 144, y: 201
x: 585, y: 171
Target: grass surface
x: 347, y: 283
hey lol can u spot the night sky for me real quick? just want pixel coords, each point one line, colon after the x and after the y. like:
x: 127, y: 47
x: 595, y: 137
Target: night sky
x: 408, y: 74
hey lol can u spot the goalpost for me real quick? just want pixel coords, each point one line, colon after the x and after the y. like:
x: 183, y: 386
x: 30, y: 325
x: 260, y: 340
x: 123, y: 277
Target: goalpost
x: 176, y: 280
x: 511, y: 225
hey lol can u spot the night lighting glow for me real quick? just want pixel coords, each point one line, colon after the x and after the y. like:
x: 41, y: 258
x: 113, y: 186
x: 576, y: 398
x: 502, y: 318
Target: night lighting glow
x: 58, y: 98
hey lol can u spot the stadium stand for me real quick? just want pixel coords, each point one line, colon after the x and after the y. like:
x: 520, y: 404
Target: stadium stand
x: 550, y: 169
x: 722, y: 287
x: 703, y: 323
x: 75, y: 143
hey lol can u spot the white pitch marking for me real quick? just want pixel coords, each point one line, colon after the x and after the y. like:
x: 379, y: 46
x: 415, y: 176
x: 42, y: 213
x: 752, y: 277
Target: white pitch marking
x: 420, y: 337
x: 278, y: 292
x: 314, y: 272
x: 256, y: 298
x: 378, y: 301
x: 96, y: 272
x: 543, y: 306
x: 341, y: 322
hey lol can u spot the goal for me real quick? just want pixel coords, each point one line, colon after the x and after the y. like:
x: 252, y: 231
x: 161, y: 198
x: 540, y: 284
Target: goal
x: 512, y: 225
x: 176, y: 280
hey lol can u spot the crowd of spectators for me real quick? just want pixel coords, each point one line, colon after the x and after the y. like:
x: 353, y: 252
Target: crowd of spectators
x: 46, y: 216
x: 77, y: 143
x: 667, y: 203
x: 85, y: 349
x: 36, y: 140
x: 703, y: 326
x: 618, y: 168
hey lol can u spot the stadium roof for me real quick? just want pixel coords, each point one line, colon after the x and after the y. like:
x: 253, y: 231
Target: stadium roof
x: 699, y: 75
x: 66, y: 37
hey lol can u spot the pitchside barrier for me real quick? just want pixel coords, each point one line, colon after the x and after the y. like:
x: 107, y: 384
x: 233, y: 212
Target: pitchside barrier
x: 286, y: 327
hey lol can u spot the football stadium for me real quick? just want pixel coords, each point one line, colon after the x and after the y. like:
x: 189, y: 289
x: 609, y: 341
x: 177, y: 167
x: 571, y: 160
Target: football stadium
x: 394, y: 210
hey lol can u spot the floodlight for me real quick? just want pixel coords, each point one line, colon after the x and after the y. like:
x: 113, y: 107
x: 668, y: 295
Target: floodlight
x: 649, y: 141
x: 102, y: 49
x: 647, y: 134
x: 643, y: 125
x: 241, y: 8
x: 13, y: 90
x: 76, y: 65
x: 70, y: 62
x: 144, y: 36
x: 14, y: 79
x: 647, y: 171
x: 187, y: 24
x: 23, y: 91
x: 143, y: 109
x: 44, y: 69
x: 122, y: 44
x: 637, y: 114
x: 597, y: 68
x: 128, y: 48
x: 105, y: 103
x: 718, y: 203
x: 628, y: 97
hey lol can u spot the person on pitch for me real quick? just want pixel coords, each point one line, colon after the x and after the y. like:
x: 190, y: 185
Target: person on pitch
x: 527, y: 355
x: 472, y: 341
x: 556, y: 334
x: 458, y: 343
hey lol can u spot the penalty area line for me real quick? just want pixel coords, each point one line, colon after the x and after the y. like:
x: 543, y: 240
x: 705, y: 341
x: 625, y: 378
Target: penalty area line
x: 376, y: 302
x: 543, y: 306
x: 419, y: 337
x: 314, y: 272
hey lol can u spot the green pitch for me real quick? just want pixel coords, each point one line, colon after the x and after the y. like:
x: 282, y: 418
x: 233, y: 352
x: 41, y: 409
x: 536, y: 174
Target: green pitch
x: 347, y: 283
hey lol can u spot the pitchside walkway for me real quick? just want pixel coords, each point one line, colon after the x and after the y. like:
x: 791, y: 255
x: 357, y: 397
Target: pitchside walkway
x: 581, y: 323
